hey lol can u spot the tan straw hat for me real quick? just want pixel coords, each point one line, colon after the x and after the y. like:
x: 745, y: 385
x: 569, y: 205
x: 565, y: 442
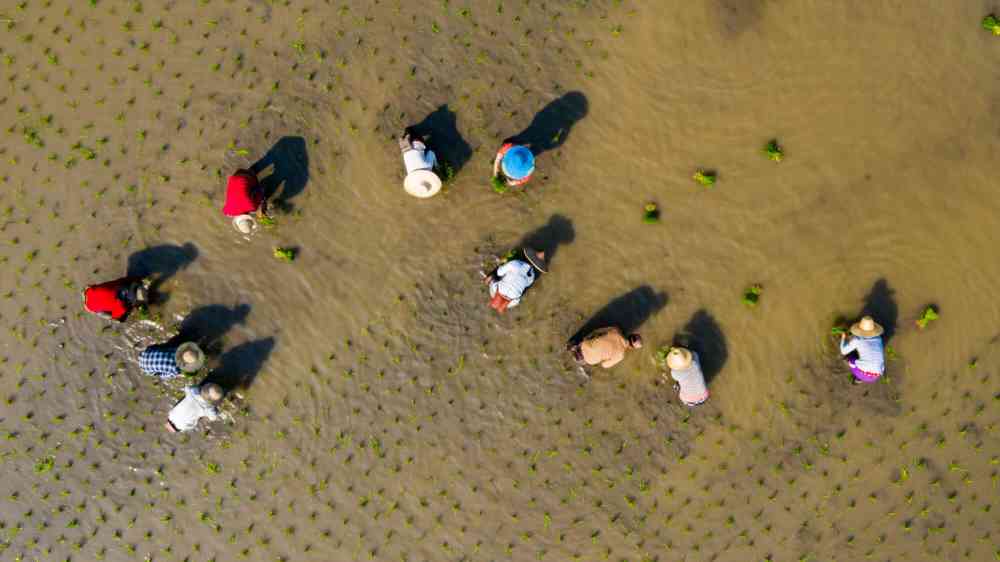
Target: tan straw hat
x: 245, y: 224
x: 679, y: 358
x: 211, y: 392
x: 189, y: 357
x: 422, y: 183
x: 534, y: 259
x: 867, y: 328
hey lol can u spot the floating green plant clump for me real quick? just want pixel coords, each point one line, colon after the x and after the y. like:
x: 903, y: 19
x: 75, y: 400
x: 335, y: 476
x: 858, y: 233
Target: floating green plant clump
x: 774, y: 151
x: 285, y: 254
x: 266, y: 221
x: 992, y: 24
x: 705, y: 177
x: 499, y: 185
x: 651, y: 214
x: 929, y: 315
x: 751, y: 296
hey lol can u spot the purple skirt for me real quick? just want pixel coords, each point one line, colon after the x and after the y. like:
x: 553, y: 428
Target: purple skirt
x: 862, y: 376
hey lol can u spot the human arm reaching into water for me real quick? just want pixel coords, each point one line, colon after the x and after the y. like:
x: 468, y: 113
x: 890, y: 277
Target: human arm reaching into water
x: 847, y: 345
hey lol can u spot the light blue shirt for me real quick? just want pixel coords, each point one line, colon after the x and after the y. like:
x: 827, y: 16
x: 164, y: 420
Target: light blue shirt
x: 513, y: 278
x: 871, y: 358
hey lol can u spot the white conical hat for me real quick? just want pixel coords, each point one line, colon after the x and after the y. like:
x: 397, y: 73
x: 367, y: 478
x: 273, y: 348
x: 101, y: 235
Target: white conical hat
x: 422, y: 183
x: 245, y: 224
x: 679, y: 358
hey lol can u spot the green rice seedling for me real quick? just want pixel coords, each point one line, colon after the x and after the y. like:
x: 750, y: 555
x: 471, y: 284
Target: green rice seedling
x: 929, y: 315
x: 751, y: 296
x: 499, y: 185
x: 705, y: 177
x: 285, y: 254
x: 774, y: 151
x: 45, y: 465
x: 651, y: 213
x: 992, y: 24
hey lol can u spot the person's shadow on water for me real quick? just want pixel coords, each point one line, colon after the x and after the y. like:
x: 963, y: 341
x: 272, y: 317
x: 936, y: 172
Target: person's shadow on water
x: 550, y: 237
x: 628, y: 312
x: 239, y: 367
x: 703, y: 335
x: 207, y: 325
x: 551, y: 126
x: 440, y: 132
x: 880, y: 304
x: 161, y: 263
x: 291, y: 171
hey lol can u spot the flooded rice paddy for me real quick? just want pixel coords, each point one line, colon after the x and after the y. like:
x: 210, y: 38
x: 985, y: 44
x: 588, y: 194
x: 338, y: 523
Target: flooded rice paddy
x: 380, y: 411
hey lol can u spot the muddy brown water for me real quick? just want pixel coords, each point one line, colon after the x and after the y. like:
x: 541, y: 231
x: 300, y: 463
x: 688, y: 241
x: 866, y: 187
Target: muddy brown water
x: 386, y: 413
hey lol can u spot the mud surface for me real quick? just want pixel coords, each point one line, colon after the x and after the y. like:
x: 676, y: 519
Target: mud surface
x: 380, y: 411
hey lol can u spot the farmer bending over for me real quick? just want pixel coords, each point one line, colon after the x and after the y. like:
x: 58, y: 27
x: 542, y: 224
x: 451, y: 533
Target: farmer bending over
x: 510, y: 280
x: 199, y: 401
x: 685, y: 368
x: 244, y: 196
x: 605, y: 347
x: 168, y: 362
x: 866, y: 343
x: 514, y: 164
x: 115, y: 299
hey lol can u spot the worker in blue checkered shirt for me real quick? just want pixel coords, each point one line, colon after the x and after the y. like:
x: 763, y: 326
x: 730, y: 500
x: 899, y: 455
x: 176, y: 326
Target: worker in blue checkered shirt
x: 166, y: 362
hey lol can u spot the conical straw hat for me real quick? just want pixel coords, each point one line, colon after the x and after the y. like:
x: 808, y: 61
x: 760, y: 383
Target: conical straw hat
x: 422, y: 183
x: 867, y: 328
x: 245, y: 224
x: 679, y: 358
x: 189, y: 357
x: 534, y: 259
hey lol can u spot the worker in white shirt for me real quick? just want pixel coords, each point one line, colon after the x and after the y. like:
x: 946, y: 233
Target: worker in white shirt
x: 510, y: 280
x: 200, y: 401
x: 421, y: 181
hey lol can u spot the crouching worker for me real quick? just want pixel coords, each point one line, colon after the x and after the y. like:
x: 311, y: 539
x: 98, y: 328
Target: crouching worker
x: 244, y: 199
x: 864, y: 351
x: 200, y: 401
x: 168, y: 362
x: 605, y: 347
x: 509, y: 282
x: 421, y: 181
x: 514, y: 164
x: 685, y: 369
x: 115, y: 299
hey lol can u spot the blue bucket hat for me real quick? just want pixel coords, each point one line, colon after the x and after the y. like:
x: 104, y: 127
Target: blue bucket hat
x: 518, y: 163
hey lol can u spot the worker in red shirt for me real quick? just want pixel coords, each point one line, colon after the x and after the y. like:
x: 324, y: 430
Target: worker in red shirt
x: 244, y: 197
x: 115, y: 299
x: 513, y: 164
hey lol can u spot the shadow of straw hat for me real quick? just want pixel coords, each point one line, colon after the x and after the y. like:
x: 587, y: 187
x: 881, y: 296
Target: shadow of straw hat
x: 189, y: 357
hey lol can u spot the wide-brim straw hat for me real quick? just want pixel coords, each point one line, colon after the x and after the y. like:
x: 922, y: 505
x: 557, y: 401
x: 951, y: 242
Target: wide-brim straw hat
x: 189, y: 366
x: 867, y: 328
x: 679, y: 358
x: 422, y: 183
x: 534, y: 259
x: 245, y: 224
x: 206, y: 391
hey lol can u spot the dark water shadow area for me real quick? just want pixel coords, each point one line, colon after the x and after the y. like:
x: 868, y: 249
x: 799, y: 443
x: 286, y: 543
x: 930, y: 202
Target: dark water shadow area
x: 881, y: 305
x: 290, y: 173
x: 551, y: 126
x: 550, y: 237
x: 207, y: 325
x: 703, y: 335
x: 628, y: 312
x: 439, y: 131
x: 239, y: 367
x: 161, y: 263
